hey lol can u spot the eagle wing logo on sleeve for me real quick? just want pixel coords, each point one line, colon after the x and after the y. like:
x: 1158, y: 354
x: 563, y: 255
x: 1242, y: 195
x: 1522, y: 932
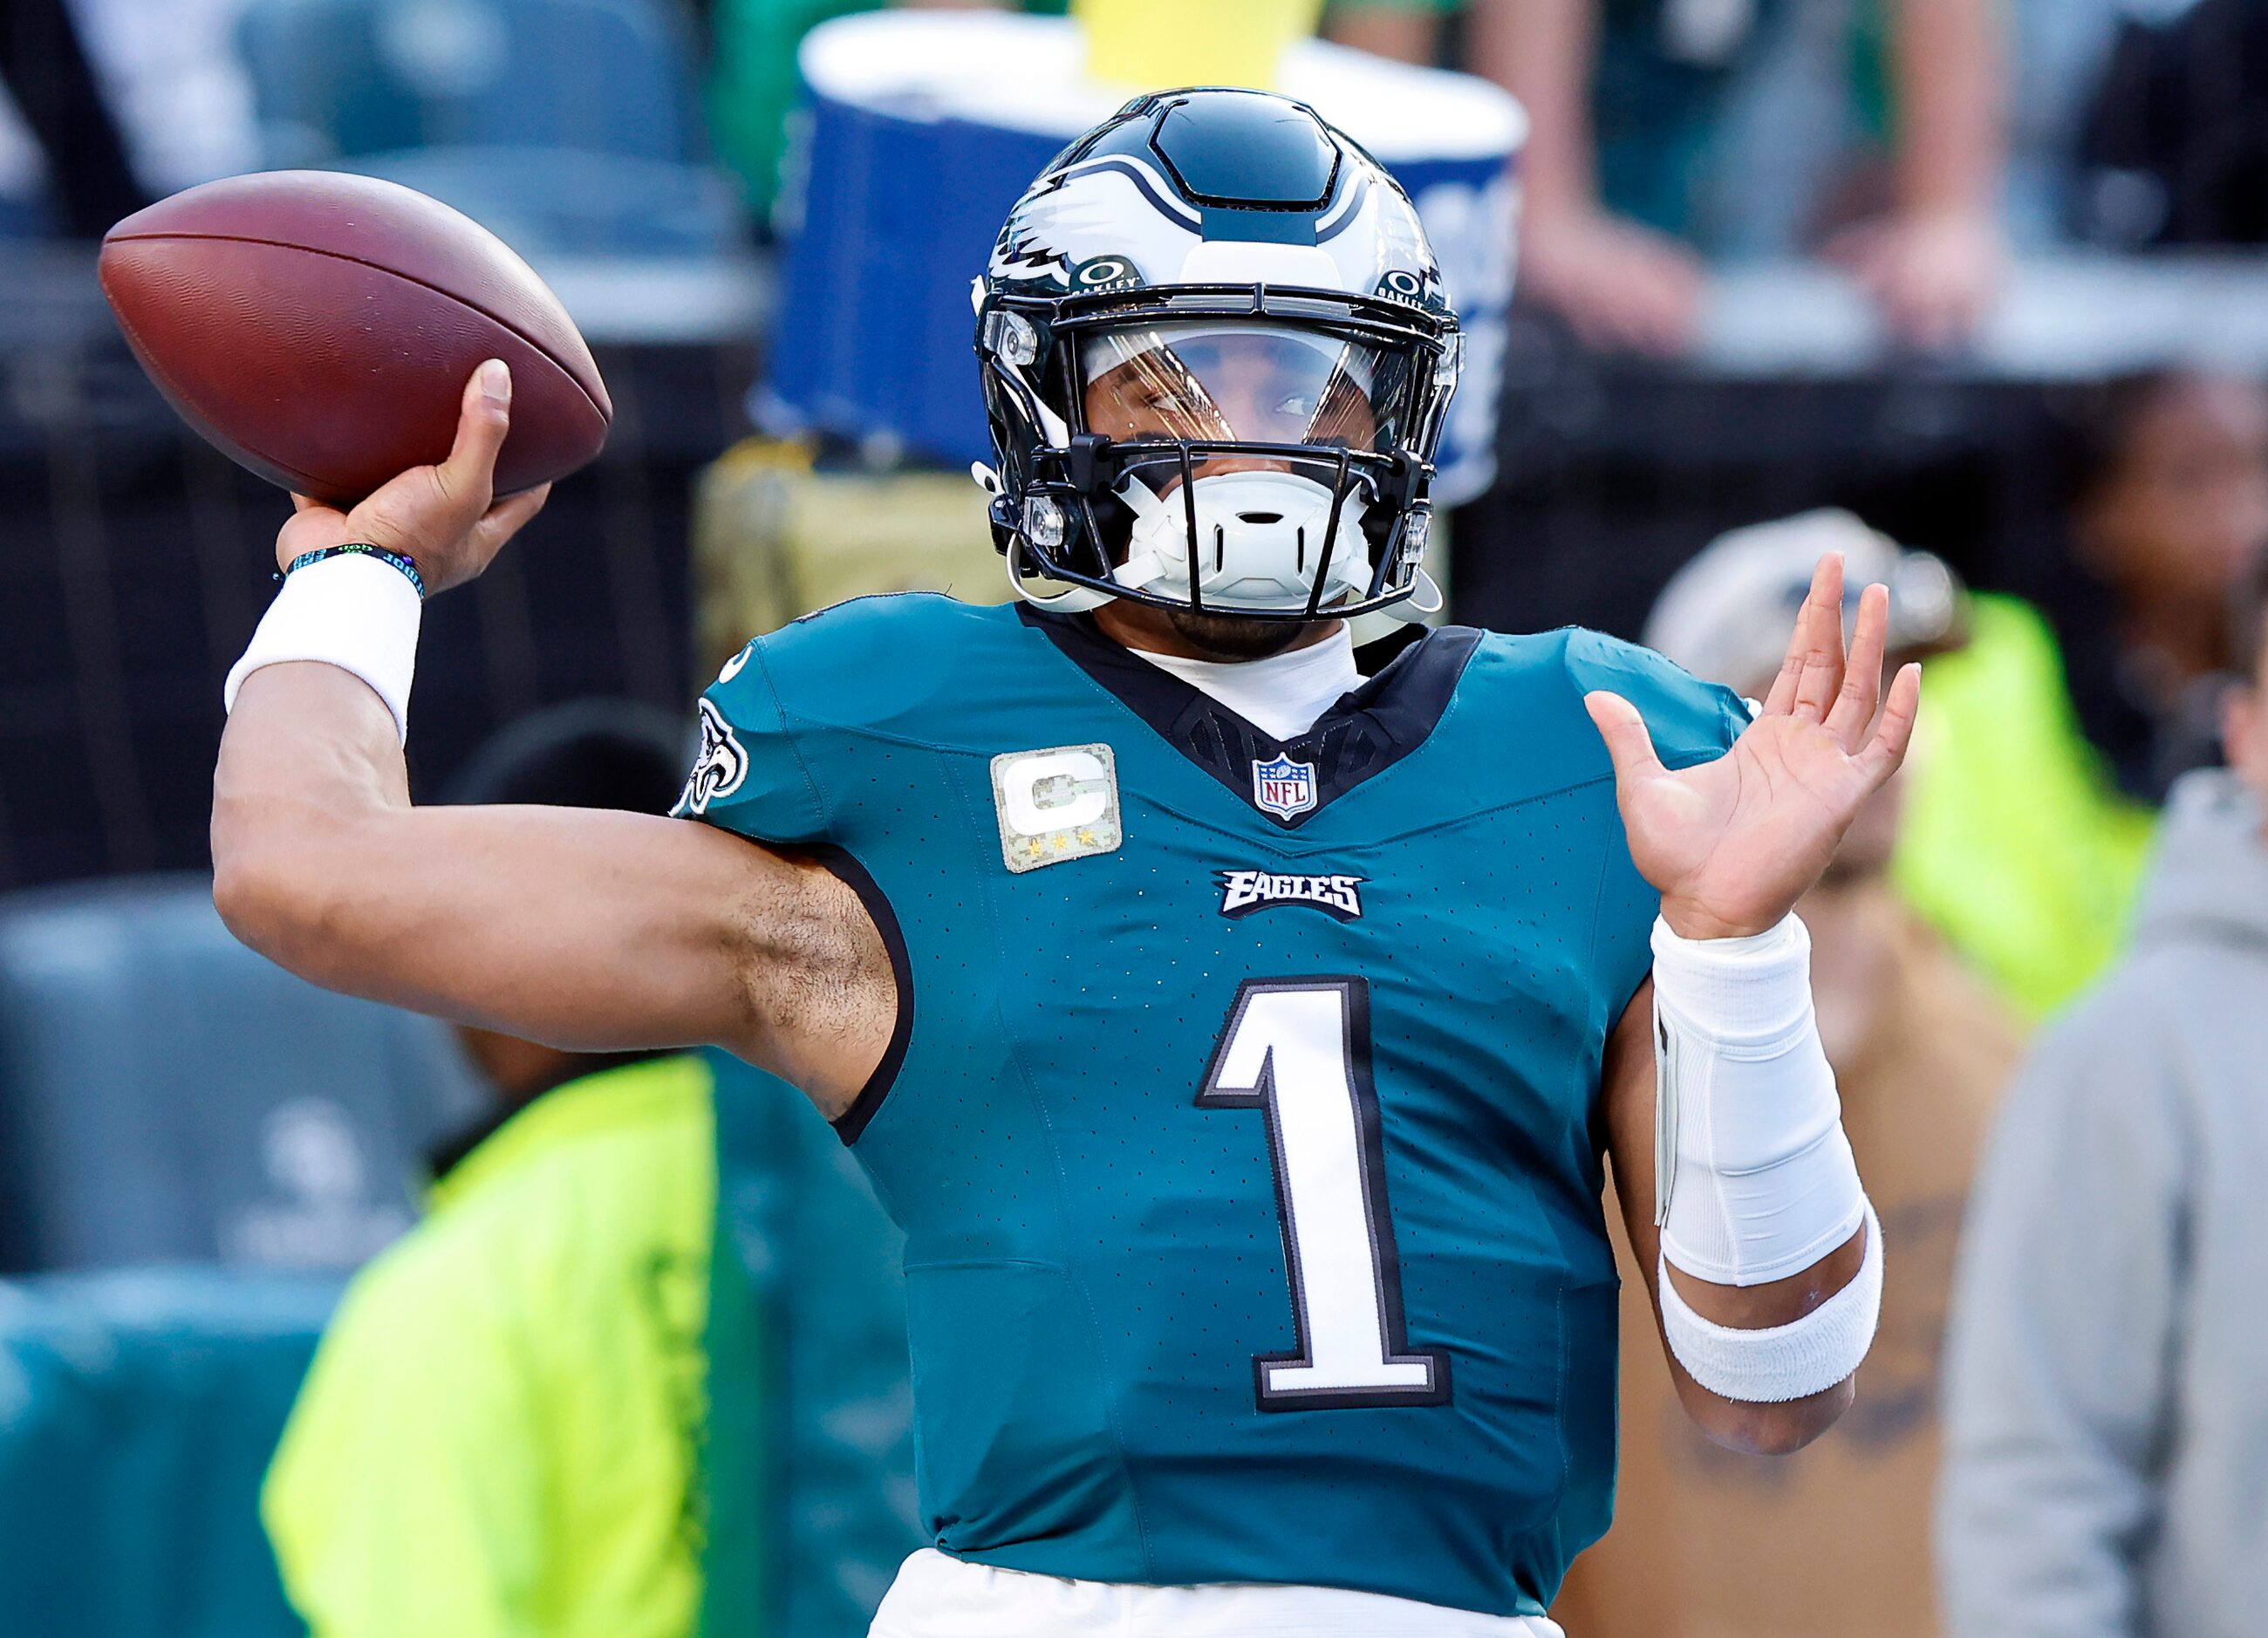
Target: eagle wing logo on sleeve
x: 717, y: 771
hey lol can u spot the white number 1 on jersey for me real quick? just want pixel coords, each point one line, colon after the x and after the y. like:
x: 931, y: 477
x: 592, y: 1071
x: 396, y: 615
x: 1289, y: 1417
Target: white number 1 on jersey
x: 1298, y: 1050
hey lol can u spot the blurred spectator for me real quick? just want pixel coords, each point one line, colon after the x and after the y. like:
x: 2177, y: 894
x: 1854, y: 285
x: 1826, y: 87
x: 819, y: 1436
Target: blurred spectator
x: 2056, y: 54
x: 502, y: 1430
x: 2174, y: 151
x: 2165, y: 479
x: 172, y: 72
x: 2047, y: 744
x: 2106, y: 1426
x: 44, y: 68
x: 1835, y: 1539
x: 2012, y: 841
x: 1409, y: 30
x: 1627, y: 97
x: 2016, y: 846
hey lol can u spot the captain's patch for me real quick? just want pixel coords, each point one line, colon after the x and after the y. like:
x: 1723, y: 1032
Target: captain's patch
x: 1057, y: 805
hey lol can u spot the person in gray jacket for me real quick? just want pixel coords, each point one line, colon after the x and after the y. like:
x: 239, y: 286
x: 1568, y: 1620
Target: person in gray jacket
x: 2106, y: 1398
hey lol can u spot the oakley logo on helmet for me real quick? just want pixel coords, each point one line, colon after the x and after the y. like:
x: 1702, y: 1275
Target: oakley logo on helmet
x: 1105, y: 273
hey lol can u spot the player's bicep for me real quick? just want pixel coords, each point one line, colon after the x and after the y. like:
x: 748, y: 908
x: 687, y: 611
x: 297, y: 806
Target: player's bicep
x: 582, y: 928
x: 593, y: 930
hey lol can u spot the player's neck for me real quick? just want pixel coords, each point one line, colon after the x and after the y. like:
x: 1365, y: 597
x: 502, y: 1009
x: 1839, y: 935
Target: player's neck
x: 1139, y: 626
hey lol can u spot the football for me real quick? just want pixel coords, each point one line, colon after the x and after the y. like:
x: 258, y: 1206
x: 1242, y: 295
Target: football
x: 318, y: 328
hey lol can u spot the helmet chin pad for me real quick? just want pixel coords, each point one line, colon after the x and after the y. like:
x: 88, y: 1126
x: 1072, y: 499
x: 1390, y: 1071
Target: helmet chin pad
x: 1260, y: 541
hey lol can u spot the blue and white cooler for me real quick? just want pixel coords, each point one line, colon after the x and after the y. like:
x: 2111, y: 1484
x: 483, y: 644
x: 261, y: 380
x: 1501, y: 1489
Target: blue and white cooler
x: 924, y: 129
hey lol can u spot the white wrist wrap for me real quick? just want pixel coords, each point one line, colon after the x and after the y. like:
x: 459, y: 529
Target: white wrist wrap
x: 1754, y: 1178
x: 353, y: 611
x: 1790, y: 1361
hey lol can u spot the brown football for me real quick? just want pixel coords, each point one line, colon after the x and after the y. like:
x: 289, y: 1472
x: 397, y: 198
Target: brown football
x: 318, y: 328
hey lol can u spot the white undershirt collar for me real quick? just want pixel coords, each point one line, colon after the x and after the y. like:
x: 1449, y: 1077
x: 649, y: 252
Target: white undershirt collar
x: 1283, y: 694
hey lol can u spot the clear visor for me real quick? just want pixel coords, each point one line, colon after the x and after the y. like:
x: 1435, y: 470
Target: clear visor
x: 1243, y: 383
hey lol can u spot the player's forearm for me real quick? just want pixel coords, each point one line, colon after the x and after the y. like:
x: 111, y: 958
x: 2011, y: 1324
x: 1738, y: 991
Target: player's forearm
x: 1756, y: 1428
x: 1779, y: 1428
x: 309, y: 769
x: 1782, y: 1301
x: 1766, y: 1276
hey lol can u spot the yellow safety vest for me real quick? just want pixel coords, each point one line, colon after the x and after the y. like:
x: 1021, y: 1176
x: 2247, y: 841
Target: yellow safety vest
x: 2015, y: 843
x: 501, y: 1432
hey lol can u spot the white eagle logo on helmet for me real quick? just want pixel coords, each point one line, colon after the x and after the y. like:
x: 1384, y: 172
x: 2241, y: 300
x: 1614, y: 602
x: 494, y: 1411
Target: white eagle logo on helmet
x: 1119, y: 208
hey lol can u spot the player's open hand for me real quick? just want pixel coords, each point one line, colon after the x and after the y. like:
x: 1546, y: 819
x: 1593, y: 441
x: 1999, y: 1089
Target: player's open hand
x: 444, y: 518
x: 1733, y: 843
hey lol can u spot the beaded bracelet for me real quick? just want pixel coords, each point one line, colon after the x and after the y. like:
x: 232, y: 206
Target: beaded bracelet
x: 364, y: 548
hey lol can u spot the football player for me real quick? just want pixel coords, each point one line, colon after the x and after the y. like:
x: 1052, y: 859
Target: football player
x: 1238, y: 1039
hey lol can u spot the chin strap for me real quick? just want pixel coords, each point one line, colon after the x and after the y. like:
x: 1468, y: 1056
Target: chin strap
x: 1424, y: 601
x: 1070, y: 600
x: 1140, y: 568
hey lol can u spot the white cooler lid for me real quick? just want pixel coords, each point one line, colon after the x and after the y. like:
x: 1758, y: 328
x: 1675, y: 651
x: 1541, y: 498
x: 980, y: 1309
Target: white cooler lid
x: 1028, y: 74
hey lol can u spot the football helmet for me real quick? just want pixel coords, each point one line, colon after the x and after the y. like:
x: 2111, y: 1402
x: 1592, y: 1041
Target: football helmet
x: 1216, y: 357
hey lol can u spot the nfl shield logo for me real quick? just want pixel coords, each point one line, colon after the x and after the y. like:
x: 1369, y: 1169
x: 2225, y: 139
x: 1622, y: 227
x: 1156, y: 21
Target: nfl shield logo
x: 1283, y: 787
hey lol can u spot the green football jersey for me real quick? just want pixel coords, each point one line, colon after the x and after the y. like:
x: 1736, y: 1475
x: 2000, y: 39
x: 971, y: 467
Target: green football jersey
x: 1242, y: 1115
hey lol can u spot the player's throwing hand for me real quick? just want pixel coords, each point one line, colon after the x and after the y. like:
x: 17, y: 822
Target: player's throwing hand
x: 1733, y: 843
x: 444, y: 518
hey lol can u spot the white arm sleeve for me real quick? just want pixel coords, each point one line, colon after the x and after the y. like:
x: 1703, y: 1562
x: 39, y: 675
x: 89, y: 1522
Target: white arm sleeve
x: 1753, y: 1176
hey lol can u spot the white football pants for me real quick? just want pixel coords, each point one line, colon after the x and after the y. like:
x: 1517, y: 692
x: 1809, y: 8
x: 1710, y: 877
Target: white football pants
x: 936, y: 1595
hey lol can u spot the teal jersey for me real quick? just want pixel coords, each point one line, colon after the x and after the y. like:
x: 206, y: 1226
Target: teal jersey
x: 1243, y: 1113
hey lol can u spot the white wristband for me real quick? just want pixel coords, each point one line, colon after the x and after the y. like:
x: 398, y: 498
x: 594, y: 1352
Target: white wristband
x: 352, y: 611
x: 1753, y: 1176
x: 1777, y: 1363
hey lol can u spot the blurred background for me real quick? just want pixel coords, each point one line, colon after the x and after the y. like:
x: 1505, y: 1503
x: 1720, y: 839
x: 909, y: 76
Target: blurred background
x: 1975, y: 290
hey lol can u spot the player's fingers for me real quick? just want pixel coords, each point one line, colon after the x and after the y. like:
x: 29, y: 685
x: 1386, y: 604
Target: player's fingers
x: 483, y: 418
x: 1862, y: 674
x: 507, y: 518
x: 1629, y: 745
x: 302, y: 503
x: 1819, y: 629
x: 1781, y: 700
x: 1895, y: 732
